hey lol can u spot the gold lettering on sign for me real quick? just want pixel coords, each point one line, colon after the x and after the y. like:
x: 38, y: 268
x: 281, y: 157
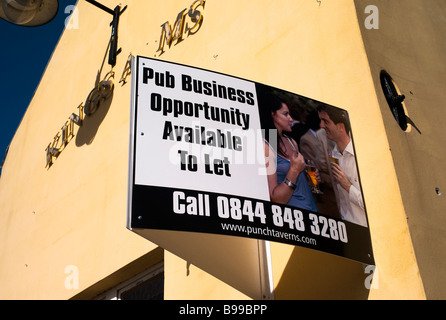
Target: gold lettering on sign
x: 102, y: 91
x: 64, y: 136
x: 188, y: 23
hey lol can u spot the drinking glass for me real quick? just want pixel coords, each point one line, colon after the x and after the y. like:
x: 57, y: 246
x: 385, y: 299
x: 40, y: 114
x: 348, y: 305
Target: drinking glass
x: 311, y: 171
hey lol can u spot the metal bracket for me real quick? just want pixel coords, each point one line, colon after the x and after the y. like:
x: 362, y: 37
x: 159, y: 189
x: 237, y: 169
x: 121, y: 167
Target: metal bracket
x: 116, y: 13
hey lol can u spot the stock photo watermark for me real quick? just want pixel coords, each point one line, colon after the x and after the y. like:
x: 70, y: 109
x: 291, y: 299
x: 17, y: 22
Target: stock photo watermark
x: 372, y: 20
x: 72, y: 280
x: 372, y: 280
x: 200, y: 146
x: 72, y: 21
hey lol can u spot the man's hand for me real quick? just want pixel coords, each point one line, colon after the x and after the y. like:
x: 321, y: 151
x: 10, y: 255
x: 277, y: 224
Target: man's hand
x: 341, y: 177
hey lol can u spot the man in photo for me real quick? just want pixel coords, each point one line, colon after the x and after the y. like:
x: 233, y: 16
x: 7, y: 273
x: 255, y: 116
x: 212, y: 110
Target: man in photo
x: 337, y: 126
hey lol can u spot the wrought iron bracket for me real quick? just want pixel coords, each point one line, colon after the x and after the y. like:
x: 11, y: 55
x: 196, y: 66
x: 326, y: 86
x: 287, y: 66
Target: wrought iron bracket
x: 116, y: 13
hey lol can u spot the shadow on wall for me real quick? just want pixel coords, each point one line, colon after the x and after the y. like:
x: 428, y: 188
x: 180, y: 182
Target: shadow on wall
x: 91, y: 123
x: 97, y: 105
x: 313, y: 275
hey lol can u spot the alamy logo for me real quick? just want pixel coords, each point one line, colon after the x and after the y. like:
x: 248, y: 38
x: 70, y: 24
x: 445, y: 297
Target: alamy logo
x: 372, y: 280
x: 372, y: 20
x: 72, y: 21
x: 72, y: 280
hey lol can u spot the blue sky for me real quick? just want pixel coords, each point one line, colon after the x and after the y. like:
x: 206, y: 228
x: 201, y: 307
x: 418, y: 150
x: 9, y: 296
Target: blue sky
x: 24, y: 54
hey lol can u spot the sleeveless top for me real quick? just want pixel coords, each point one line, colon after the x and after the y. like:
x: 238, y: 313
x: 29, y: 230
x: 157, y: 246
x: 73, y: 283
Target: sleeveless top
x: 302, y: 196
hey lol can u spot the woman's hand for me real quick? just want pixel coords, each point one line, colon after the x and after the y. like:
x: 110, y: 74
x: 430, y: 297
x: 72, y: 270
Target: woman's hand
x: 318, y: 176
x: 297, y: 162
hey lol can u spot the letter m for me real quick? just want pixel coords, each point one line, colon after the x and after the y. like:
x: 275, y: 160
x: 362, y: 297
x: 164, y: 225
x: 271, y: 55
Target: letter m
x: 169, y: 34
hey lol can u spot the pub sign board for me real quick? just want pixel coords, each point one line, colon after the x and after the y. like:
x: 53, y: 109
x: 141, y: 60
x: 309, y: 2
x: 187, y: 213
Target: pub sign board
x: 216, y: 154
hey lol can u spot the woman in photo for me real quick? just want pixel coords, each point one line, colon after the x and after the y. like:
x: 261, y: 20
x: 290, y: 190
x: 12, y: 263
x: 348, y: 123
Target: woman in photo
x: 285, y: 165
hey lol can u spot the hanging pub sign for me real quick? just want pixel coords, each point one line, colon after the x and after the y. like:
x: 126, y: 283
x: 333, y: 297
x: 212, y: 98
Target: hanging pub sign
x: 216, y: 154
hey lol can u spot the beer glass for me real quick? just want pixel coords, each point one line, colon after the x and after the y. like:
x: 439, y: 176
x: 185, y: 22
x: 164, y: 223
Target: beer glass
x: 334, y: 160
x: 311, y: 171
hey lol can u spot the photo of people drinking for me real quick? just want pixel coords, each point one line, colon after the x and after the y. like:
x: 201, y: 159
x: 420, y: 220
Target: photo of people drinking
x: 310, y: 155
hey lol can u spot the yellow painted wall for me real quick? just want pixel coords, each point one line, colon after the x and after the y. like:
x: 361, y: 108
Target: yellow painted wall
x: 74, y: 213
x: 185, y: 281
x: 409, y: 45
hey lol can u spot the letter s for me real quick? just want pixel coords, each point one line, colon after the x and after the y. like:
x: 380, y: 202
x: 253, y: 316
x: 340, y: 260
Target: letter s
x: 195, y: 16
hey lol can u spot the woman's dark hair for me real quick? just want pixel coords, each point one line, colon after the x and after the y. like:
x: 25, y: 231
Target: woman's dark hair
x: 270, y: 102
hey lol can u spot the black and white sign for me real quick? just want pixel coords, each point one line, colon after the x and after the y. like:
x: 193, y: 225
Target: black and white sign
x: 197, y: 163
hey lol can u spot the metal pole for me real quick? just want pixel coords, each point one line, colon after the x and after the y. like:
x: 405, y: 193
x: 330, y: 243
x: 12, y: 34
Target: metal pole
x: 101, y: 6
